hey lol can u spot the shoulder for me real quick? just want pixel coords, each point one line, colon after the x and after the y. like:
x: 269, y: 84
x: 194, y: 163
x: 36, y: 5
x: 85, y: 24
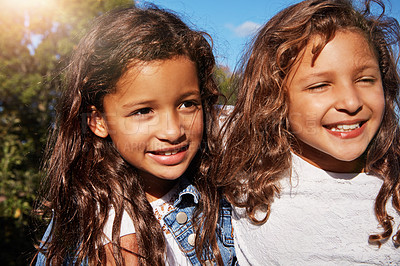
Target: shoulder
x: 127, y: 226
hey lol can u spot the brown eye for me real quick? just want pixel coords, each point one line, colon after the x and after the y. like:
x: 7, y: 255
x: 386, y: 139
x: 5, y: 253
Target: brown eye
x: 318, y: 87
x: 142, y: 111
x: 367, y: 80
x: 188, y: 104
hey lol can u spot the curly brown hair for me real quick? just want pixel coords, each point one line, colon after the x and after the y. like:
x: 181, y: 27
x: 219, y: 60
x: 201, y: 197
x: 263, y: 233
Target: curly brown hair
x: 258, y: 141
x: 85, y: 174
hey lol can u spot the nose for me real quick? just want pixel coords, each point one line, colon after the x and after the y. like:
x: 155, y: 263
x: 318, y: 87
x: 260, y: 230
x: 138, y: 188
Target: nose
x: 348, y: 99
x: 170, y: 127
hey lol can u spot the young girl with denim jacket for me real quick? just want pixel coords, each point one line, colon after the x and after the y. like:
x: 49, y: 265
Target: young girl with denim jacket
x: 127, y: 175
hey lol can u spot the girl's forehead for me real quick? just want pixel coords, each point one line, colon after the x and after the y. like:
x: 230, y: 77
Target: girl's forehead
x: 156, y: 74
x: 136, y: 66
x: 318, y: 42
x: 320, y: 55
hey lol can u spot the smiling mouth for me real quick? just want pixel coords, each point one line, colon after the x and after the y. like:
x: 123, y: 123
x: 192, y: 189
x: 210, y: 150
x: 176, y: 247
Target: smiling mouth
x: 344, y: 127
x: 171, y: 151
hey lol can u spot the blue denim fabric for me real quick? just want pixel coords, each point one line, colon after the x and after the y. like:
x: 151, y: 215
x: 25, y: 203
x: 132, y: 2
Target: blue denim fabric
x: 41, y: 259
x: 186, y: 202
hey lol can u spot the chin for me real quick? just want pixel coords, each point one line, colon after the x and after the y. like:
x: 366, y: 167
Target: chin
x: 349, y: 156
x: 170, y: 176
x: 347, y: 159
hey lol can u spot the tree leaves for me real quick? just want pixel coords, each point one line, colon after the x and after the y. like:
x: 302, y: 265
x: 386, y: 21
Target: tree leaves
x: 36, y: 38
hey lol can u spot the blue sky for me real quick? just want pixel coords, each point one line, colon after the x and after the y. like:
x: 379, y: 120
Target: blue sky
x: 232, y: 23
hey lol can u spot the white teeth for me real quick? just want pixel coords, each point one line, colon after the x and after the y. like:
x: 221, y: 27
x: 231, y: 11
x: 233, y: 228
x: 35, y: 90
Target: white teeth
x: 345, y: 128
x: 169, y: 153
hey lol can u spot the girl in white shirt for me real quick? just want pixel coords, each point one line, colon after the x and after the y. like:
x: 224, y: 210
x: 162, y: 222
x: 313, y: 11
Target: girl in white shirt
x: 126, y: 175
x: 312, y: 147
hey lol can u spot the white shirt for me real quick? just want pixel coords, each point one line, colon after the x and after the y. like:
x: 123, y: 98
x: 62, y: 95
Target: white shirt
x: 323, y: 218
x: 161, y: 207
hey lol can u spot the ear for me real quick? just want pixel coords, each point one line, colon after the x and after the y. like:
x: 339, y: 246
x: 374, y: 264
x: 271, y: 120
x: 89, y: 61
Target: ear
x: 97, y: 123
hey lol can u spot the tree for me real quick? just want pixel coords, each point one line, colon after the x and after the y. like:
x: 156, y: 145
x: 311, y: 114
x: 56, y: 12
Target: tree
x: 226, y: 83
x: 36, y: 38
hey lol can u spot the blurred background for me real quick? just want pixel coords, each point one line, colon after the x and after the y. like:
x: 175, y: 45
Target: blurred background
x: 36, y: 38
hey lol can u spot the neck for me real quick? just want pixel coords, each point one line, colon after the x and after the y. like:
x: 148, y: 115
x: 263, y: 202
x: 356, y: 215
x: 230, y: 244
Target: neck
x: 155, y: 188
x: 327, y: 162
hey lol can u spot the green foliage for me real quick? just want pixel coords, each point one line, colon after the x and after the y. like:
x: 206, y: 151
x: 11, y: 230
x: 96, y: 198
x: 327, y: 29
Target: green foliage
x: 36, y: 38
x: 226, y: 83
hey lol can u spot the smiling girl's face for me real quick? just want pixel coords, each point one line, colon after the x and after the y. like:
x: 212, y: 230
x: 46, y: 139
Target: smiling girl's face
x: 155, y: 120
x: 336, y: 105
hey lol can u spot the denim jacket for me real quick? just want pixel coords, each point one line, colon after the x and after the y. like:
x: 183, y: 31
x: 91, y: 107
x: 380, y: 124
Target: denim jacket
x: 182, y: 229
x: 41, y: 259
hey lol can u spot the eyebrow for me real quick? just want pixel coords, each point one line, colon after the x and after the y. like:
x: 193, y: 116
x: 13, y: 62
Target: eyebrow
x: 183, y: 96
x: 131, y: 104
x: 358, y: 69
x: 190, y: 93
x: 367, y: 65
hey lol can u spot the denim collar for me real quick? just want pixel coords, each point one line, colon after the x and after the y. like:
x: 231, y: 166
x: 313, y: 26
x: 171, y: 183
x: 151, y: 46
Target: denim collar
x: 186, y: 188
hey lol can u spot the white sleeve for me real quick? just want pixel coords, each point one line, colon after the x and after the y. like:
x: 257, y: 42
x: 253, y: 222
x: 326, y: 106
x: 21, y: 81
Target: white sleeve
x: 127, y: 226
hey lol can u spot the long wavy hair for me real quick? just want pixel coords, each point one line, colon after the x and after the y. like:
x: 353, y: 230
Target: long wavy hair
x: 258, y: 141
x: 85, y: 174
